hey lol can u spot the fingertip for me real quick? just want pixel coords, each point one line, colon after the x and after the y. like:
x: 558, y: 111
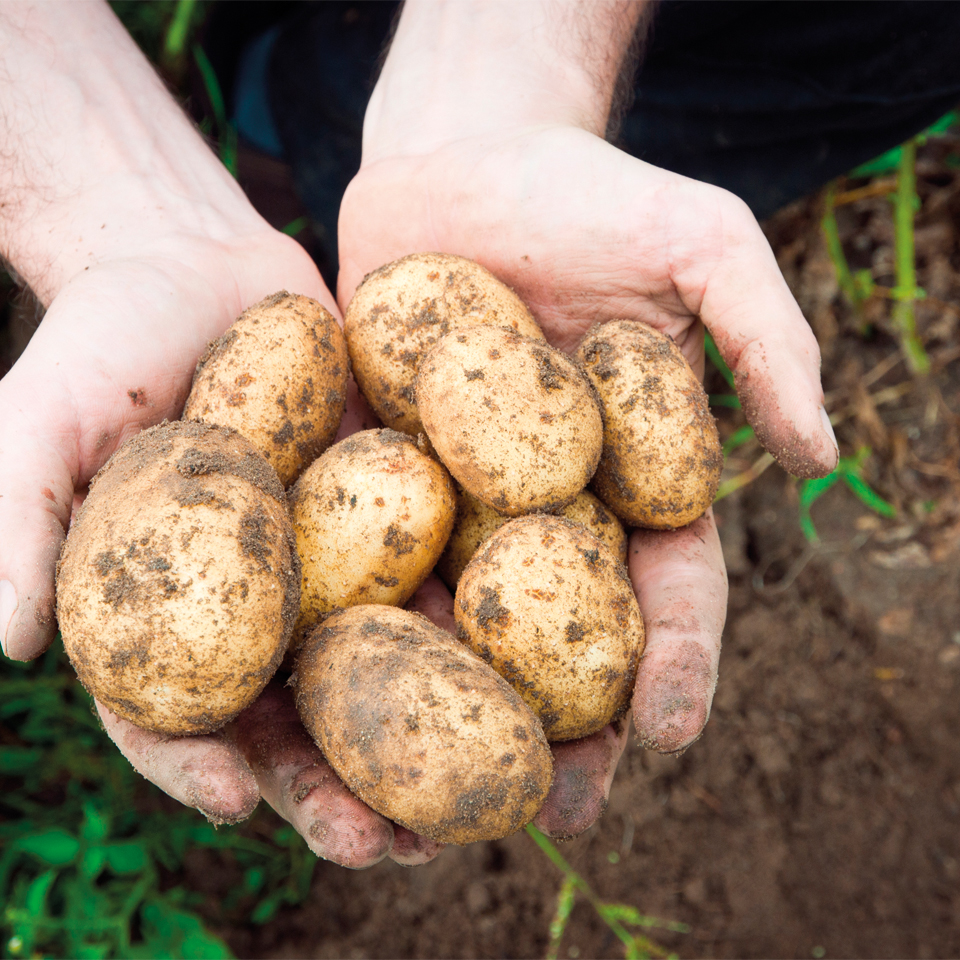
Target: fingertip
x: 672, y: 699
x: 206, y: 772
x: 411, y: 849
x: 226, y: 803
x: 355, y: 840
x: 583, y: 773
x: 786, y: 414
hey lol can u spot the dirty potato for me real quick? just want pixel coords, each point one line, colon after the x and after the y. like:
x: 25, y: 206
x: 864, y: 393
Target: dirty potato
x: 551, y: 609
x: 419, y: 728
x: 178, y: 584
x: 662, y: 458
x: 371, y: 517
x: 279, y: 377
x: 515, y: 421
x: 476, y: 521
x: 402, y: 309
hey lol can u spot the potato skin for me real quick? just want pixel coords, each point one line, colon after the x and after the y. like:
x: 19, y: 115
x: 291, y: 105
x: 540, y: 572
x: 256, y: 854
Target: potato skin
x: 551, y: 609
x: 515, y: 421
x: 178, y: 584
x: 371, y: 517
x: 403, y: 308
x: 476, y: 521
x: 279, y: 377
x: 419, y: 728
x: 662, y: 457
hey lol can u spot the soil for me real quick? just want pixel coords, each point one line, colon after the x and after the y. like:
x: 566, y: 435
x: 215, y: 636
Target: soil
x: 819, y: 813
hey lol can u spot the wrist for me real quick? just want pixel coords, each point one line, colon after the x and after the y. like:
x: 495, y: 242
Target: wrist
x: 100, y: 161
x: 473, y: 68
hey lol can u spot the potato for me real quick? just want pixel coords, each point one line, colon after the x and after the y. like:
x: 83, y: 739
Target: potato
x: 371, y: 517
x: 279, y: 377
x: 402, y: 309
x: 551, y: 609
x: 178, y: 584
x: 476, y: 521
x: 515, y: 421
x: 662, y: 458
x: 419, y: 728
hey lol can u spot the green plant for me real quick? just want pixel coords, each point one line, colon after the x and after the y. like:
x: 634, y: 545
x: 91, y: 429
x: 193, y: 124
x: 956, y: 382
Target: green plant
x: 859, y: 286
x: 850, y: 471
x: 89, y: 850
x: 617, y: 916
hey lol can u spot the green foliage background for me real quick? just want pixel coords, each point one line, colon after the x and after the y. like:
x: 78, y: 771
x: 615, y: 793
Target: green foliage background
x: 91, y: 852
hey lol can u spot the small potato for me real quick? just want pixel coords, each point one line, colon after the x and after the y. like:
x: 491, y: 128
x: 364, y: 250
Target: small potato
x: 515, y: 421
x: 178, y: 584
x: 279, y: 377
x: 419, y: 728
x: 371, y: 517
x: 551, y: 609
x: 662, y: 458
x: 402, y: 309
x: 476, y: 521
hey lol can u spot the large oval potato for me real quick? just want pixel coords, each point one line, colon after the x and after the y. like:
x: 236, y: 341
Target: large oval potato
x: 515, y: 421
x: 476, y: 521
x: 279, y: 377
x: 371, y: 518
x: 402, y: 309
x: 178, y: 584
x: 419, y: 728
x: 662, y: 457
x: 551, y: 609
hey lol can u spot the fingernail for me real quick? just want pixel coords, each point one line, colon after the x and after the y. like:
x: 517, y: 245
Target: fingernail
x: 828, y: 428
x: 8, y: 607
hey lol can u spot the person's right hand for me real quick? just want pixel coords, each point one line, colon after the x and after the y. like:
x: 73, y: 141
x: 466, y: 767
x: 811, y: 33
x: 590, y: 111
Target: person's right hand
x: 143, y: 249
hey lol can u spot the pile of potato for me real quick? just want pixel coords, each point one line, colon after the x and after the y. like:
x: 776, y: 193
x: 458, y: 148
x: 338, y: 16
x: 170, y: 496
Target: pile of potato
x: 190, y: 573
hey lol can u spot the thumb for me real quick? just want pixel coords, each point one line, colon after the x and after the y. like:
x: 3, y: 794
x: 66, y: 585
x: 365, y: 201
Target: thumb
x: 36, y: 496
x: 768, y: 344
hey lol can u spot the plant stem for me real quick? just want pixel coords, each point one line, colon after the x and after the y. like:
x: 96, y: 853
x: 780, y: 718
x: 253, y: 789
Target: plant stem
x: 905, y: 292
x: 831, y: 233
x: 742, y: 479
x: 581, y: 885
x: 176, y: 39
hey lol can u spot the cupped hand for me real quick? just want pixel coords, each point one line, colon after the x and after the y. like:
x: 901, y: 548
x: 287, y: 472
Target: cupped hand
x: 115, y: 353
x: 585, y: 233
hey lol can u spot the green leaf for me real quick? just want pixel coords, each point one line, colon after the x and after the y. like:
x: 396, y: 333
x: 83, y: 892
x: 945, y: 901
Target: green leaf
x: 253, y: 880
x: 885, y: 163
x: 868, y: 496
x: 126, y: 857
x: 809, y: 491
x: 295, y: 226
x: 96, y: 824
x: 724, y: 400
x: 173, y: 932
x: 92, y: 862
x: 36, y: 900
x: 737, y: 439
x: 16, y: 761
x: 267, y: 908
x: 56, y: 847
x: 95, y: 951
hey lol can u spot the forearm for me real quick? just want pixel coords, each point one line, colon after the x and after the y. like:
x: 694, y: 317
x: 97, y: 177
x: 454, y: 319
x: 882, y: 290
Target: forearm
x: 472, y: 67
x: 98, y: 159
